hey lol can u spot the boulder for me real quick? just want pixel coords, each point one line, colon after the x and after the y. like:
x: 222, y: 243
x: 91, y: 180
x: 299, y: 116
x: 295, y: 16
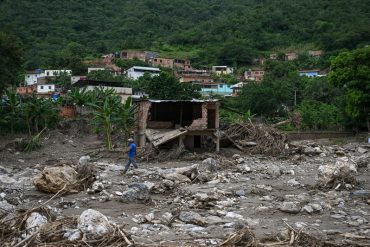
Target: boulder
x: 361, y: 150
x: 84, y: 160
x: 137, y: 192
x: 5, y: 208
x: 290, y: 207
x: 192, y: 218
x: 309, y: 150
x: 274, y: 170
x: 34, y: 222
x: 209, y: 164
x: 97, y: 186
x: 343, y: 171
x: 53, y: 179
x: 93, y: 222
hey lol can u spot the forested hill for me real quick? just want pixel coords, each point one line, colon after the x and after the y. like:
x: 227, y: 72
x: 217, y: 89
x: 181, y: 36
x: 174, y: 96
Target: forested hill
x: 209, y: 31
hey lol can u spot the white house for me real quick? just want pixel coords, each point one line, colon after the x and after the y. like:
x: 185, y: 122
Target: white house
x: 57, y: 72
x: 94, y: 69
x: 138, y: 71
x: 76, y: 78
x: 45, y: 88
x: 222, y: 70
x: 31, y: 77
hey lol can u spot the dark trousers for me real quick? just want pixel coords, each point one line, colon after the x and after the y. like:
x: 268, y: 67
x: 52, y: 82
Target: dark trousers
x: 130, y: 161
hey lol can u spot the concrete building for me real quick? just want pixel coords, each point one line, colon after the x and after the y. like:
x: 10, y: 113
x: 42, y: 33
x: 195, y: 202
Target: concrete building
x: 237, y: 88
x: 32, y: 76
x: 188, y: 123
x: 89, y: 70
x: 45, y: 89
x: 123, y: 91
x: 145, y: 56
x: 57, y: 72
x: 309, y: 73
x: 254, y: 74
x: 138, y: 71
x: 216, y: 88
x: 222, y: 70
x: 194, y: 76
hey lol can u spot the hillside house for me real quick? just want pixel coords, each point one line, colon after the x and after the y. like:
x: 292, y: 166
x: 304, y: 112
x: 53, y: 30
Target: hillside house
x: 194, y: 76
x: 77, y: 78
x: 123, y: 91
x: 254, y: 74
x: 45, y: 89
x: 290, y: 56
x: 145, y: 56
x: 57, y: 72
x: 136, y: 72
x: 30, y: 89
x: 222, y: 70
x: 89, y: 70
x: 167, y: 123
x: 163, y: 62
x: 317, y: 53
x: 216, y: 88
x: 309, y: 73
x: 31, y: 77
x: 237, y: 88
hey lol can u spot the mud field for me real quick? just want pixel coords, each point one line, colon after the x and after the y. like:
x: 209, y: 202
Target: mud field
x: 316, y: 196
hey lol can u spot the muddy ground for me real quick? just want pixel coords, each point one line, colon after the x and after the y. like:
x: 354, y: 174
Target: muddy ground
x: 269, y: 195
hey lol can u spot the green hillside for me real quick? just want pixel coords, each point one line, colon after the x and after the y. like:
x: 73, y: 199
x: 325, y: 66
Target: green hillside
x: 208, y: 31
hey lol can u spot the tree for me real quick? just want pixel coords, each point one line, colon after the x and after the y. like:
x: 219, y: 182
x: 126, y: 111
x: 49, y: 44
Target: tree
x: 11, y: 60
x: 166, y: 86
x: 71, y: 57
x: 350, y: 71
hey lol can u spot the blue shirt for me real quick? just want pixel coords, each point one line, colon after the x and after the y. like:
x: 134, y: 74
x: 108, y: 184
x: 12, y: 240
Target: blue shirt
x: 132, y: 151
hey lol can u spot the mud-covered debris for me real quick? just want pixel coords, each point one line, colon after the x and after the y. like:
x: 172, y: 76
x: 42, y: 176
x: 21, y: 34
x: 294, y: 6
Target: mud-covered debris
x: 209, y: 164
x: 54, y: 179
x: 84, y: 160
x: 177, y: 178
x: 5, y: 208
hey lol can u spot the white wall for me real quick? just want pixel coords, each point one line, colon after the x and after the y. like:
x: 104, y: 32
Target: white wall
x: 56, y: 72
x: 94, y: 69
x: 31, y: 79
x: 46, y: 88
x: 134, y: 73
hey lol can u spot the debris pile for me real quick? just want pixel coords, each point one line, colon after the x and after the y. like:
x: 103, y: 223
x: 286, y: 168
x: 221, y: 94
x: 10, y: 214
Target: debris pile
x: 255, y: 139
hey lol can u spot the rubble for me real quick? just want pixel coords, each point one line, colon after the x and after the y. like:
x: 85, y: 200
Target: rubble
x: 290, y: 207
x: 343, y: 171
x: 193, y: 218
x: 34, y: 222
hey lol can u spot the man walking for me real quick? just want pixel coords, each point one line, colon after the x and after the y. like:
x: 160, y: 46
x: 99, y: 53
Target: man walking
x: 131, y: 155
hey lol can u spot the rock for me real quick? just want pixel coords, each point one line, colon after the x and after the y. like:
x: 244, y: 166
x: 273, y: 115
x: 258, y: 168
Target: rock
x: 309, y: 150
x: 316, y: 207
x: 97, y: 186
x: 363, y: 162
x: 177, y: 178
x: 149, y: 217
x: 34, y: 222
x: 308, y: 209
x: 240, y: 160
x: 290, y: 207
x: 361, y: 150
x: 236, y: 156
x: 72, y: 235
x: 210, y: 164
x: 252, y: 222
x: 138, y: 192
x: 203, y: 197
x: 53, y: 179
x: 240, y: 192
x: 5, y: 208
x: 93, y: 222
x: 343, y: 171
x: 293, y: 182
x: 274, y: 170
x: 5, y: 179
x: 192, y: 217
x: 118, y: 193
x: 84, y: 160
x: 167, y: 217
x: 234, y: 215
x: 168, y: 183
x: 340, y: 153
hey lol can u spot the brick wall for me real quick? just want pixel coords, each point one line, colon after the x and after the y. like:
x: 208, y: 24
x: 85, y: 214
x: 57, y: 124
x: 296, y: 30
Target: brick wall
x: 200, y: 123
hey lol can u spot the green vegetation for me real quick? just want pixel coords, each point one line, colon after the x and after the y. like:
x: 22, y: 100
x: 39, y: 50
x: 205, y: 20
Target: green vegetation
x: 209, y: 32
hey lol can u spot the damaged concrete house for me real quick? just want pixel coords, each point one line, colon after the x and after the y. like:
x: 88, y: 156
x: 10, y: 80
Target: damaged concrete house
x: 189, y: 123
